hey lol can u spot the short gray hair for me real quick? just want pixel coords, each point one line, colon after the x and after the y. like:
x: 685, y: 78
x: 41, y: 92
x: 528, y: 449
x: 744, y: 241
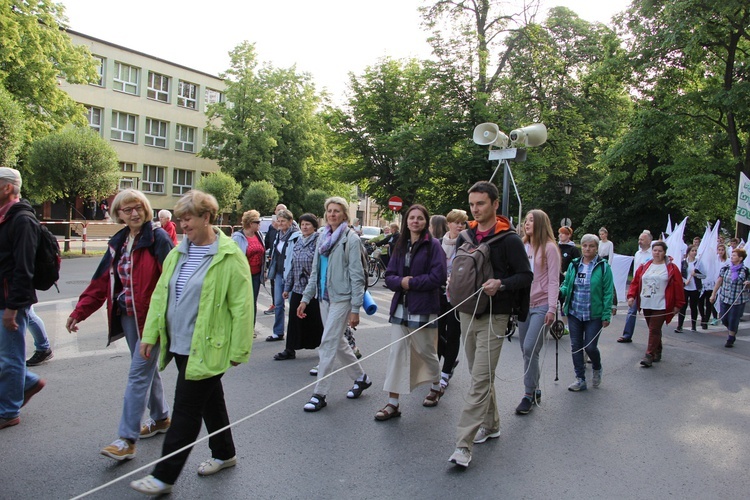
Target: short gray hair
x: 165, y: 214
x: 588, y: 238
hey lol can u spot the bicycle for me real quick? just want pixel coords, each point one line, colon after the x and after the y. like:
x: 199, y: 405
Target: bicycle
x: 375, y: 271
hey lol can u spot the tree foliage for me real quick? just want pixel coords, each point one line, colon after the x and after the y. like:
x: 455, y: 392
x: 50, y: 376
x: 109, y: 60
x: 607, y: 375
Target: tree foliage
x: 260, y: 196
x: 11, y: 128
x: 223, y: 187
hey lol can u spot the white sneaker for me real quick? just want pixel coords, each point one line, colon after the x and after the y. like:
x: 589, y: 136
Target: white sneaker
x: 483, y: 434
x: 149, y: 485
x: 461, y: 457
x: 596, y: 380
x: 214, y: 465
x: 578, y: 385
x: 314, y: 371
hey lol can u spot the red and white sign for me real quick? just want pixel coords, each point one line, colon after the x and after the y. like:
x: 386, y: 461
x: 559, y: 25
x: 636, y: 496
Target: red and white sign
x: 395, y: 203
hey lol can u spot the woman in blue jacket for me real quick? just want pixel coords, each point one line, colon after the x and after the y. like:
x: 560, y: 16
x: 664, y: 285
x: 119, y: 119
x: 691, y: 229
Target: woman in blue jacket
x: 416, y: 272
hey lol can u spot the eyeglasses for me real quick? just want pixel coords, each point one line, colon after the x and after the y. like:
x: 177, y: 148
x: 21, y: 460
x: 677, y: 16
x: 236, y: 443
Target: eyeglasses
x: 254, y: 222
x: 130, y: 210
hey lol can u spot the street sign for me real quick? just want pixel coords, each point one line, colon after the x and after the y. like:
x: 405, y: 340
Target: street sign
x: 395, y: 203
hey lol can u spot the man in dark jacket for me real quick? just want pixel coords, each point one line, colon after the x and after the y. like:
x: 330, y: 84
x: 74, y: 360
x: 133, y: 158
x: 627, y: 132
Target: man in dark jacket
x: 483, y: 334
x: 19, y: 234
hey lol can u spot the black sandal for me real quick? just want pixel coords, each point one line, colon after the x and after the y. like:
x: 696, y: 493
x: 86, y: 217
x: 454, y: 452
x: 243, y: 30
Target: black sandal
x: 357, y: 389
x: 316, y: 403
x: 273, y: 338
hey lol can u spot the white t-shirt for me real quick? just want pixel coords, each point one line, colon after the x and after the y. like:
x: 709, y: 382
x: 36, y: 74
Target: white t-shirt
x: 654, y: 287
x: 690, y: 285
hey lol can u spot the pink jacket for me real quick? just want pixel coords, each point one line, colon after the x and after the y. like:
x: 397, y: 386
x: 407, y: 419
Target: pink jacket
x: 546, y: 284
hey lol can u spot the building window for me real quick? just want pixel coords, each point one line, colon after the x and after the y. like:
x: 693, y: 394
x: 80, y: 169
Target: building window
x: 156, y: 133
x: 100, y: 71
x: 123, y: 126
x: 95, y: 118
x: 128, y: 183
x: 185, y: 140
x: 213, y: 96
x: 187, y: 95
x: 158, y: 87
x: 126, y: 166
x: 153, y: 179
x: 125, y: 78
x: 182, y: 181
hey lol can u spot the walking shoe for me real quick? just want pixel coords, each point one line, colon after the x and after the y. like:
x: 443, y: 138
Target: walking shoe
x: 29, y: 393
x: 120, y: 449
x: 152, y: 427
x: 657, y: 357
x: 730, y: 341
x: 151, y: 486
x: 525, y: 406
x: 678, y: 330
x: 461, y: 457
x: 538, y: 396
x: 483, y: 434
x: 314, y: 371
x: 214, y: 465
x: 270, y: 310
x: 9, y: 422
x: 714, y: 322
x: 317, y: 402
x: 39, y: 357
x: 647, y: 360
x: 357, y: 353
x: 578, y: 385
x: 596, y: 380
x: 358, y: 388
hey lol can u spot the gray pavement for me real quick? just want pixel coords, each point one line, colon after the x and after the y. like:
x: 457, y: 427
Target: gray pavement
x: 677, y: 430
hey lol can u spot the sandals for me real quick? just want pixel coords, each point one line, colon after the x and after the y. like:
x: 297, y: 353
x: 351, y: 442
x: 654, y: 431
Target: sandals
x: 624, y: 340
x: 432, y: 398
x: 285, y: 354
x: 317, y: 402
x: 274, y: 338
x: 357, y: 389
x: 388, y: 412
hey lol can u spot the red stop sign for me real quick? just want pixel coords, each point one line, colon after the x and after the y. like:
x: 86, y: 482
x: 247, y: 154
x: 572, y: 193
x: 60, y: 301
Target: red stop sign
x: 395, y: 203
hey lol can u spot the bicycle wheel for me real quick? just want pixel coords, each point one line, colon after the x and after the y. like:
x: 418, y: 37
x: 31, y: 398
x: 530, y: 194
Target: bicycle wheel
x: 373, y: 273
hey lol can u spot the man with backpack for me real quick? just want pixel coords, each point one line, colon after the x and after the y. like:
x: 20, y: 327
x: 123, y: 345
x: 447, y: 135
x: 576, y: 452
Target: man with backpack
x: 507, y: 287
x: 19, y: 237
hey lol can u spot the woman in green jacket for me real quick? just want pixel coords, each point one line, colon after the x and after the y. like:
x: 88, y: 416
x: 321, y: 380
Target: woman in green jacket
x: 587, y: 290
x: 201, y: 314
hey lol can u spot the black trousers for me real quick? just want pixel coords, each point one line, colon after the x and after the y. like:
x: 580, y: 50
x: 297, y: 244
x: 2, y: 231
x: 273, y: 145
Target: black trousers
x: 449, y: 335
x: 194, y: 400
x: 691, y: 298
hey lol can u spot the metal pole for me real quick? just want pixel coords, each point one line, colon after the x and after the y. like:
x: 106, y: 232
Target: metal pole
x: 506, y: 188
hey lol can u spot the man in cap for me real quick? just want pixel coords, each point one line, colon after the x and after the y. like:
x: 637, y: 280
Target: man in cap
x: 19, y: 234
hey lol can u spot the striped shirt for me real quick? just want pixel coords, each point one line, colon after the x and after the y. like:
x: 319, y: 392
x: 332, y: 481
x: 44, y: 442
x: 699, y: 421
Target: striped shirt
x: 195, y: 256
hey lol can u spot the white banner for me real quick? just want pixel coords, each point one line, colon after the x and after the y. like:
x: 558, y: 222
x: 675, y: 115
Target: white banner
x: 620, y: 267
x: 742, y: 214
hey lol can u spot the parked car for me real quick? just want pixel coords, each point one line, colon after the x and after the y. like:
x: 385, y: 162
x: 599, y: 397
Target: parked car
x: 370, y: 232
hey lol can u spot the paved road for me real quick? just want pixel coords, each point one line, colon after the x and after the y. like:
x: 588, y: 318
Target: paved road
x: 678, y: 430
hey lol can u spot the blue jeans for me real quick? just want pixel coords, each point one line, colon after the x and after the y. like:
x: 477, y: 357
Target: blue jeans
x: 278, y: 300
x: 630, y: 321
x: 584, y: 333
x: 531, y: 335
x: 730, y: 315
x: 15, y: 379
x: 143, y: 375
x: 37, y: 331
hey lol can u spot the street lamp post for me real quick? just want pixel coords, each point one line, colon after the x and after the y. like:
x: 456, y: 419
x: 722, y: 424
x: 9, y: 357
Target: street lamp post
x: 568, y: 186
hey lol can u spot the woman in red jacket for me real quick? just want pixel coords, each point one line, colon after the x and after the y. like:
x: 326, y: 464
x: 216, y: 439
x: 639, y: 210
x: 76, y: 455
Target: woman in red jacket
x: 657, y: 289
x: 125, y: 280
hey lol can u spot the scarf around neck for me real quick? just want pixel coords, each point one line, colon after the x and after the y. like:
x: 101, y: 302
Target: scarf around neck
x: 330, y: 238
x: 736, y: 270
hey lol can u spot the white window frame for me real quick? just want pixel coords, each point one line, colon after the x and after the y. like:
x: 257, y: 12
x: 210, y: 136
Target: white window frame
x: 125, y: 78
x: 182, y: 181
x: 130, y: 130
x: 156, y: 133
x: 187, y: 95
x: 213, y: 96
x: 100, y: 71
x: 184, y: 139
x: 152, y: 180
x: 94, y: 116
x: 158, y: 87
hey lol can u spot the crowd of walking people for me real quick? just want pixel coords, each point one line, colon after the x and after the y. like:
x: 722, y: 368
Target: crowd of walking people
x: 195, y: 302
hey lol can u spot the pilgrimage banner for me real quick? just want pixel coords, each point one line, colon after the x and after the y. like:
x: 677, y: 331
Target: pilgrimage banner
x: 742, y: 214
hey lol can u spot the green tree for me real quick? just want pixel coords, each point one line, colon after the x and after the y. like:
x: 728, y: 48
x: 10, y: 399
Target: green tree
x: 690, y: 60
x: 223, y: 187
x: 314, y: 202
x: 34, y: 53
x: 260, y: 196
x: 11, y: 128
x: 268, y: 129
x: 73, y: 163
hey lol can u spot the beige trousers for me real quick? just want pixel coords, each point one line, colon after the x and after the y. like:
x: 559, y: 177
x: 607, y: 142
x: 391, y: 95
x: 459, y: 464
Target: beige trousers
x: 413, y: 361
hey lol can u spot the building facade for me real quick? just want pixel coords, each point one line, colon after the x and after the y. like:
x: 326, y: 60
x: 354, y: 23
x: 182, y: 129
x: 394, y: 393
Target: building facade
x: 153, y: 112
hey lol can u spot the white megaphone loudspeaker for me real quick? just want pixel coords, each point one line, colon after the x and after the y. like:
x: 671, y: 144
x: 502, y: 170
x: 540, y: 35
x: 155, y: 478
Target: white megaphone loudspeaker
x: 529, y: 136
x: 488, y: 134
